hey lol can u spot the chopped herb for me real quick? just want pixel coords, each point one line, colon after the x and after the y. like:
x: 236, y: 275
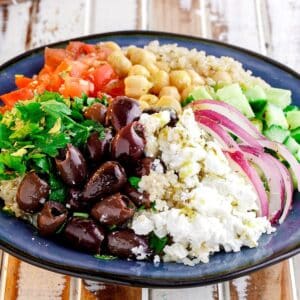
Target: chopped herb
x: 8, y: 211
x: 105, y: 257
x: 58, y: 191
x: 80, y: 215
x: 187, y: 100
x: 156, y: 243
x: 112, y: 227
x: 61, y: 228
x: 104, y: 101
x: 134, y: 181
x: 141, y: 208
x: 152, y: 205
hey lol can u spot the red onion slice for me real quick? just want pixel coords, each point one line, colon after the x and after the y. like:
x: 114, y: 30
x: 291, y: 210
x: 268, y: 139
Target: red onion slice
x: 231, y: 126
x: 240, y: 161
x: 282, y: 151
x: 273, y: 176
x: 228, y: 111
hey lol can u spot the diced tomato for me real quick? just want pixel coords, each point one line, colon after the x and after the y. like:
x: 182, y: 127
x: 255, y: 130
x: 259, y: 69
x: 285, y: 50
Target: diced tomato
x: 53, y: 57
x: 89, y: 48
x: 21, y: 94
x: 75, y: 87
x: 22, y: 81
x: 115, y: 87
x: 75, y: 49
x: 101, y: 76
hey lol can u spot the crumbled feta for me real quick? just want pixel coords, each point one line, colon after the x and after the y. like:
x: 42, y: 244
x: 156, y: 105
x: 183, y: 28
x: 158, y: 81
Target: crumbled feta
x: 139, y: 252
x: 200, y: 202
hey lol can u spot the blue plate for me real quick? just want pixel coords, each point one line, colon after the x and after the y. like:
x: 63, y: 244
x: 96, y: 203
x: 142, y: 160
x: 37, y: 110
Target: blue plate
x: 19, y: 239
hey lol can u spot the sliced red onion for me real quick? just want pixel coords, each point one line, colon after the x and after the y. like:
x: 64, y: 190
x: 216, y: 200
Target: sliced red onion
x: 230, y: 112
x: 234, y: 128
x: 212, y: 127
x: 273, y: 176
x: 282, y: 151
x: 241, y: 162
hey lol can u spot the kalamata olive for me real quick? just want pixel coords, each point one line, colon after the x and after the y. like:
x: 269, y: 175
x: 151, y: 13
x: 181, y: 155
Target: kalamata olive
x: 96, y: 112
x: 51, y: 217
x: 113, y: 210
x: 32, y: 193
x: 129, y: 143
x: 109, y: 178
x: 84, y: 234
x: 136, y: 197
x: 97, y: 148
x: 122, y: 111
x: 173, y: 113
x: 145, y: 165
x: 127, y: 244
x: 74, y: 200
x: 72, y: 166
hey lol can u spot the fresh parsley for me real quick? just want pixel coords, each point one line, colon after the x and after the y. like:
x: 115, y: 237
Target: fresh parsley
x: 105, y: 257
x: 156, y: 243
x: 134, y: 181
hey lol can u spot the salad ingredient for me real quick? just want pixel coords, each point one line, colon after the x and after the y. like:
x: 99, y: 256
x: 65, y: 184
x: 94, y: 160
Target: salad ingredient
x: 113, y: 210
x: 71, y: 166
x: 51, y: 218
x: 84, y: 234
x: 32, y: 193
x: 96, y: 112
x: 109, y: 178
x: 125, y: 243
x: 139, y: 199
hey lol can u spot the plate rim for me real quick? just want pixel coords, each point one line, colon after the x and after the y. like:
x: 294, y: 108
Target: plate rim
x: 148, y: 282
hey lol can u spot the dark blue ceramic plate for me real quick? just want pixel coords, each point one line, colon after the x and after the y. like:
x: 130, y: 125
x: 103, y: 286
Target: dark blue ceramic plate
x: 19, y: 239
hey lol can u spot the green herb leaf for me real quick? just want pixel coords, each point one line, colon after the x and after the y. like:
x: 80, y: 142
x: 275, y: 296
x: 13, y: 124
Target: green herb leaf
x: 187, y: 100
x: 58, y: 191
x: 30, y: 112
x: 156, y: 243
x: 46, y: 96
x: 134, y: 181
x: 105, y: 257
x: 25, y: 130
x: 80, y: 215
x: 15, y: 163
x: 41, y: 164
x: 4, y: 137
x: 55, y: 108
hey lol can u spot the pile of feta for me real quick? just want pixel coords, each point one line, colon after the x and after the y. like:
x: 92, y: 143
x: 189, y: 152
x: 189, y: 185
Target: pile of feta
x: 201, y: 203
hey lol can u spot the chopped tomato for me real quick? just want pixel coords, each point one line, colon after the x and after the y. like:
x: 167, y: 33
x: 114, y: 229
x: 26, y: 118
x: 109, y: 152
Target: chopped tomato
x: 101, y: 76
x: 21, y: 94
x: 75, y: 49
x: 115, y: 87
x: 53, y: 57
x: 22, y: 81
x: 75, y: 87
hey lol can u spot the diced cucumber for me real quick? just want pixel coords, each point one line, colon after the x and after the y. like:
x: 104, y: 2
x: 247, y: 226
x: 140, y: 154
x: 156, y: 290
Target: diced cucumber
x: 232, y: 94
x: 291, y: 108
x: 295, y: 134
x: 276, y: 133
x: 279, y: 97
x: 258, y: 124
x: 259, y: 107
x: 297, y: 155
x: 293, y: 118
x: 292, y: 145
x: 275, y: 116
x: 201, y: 93
x: 254, y: 93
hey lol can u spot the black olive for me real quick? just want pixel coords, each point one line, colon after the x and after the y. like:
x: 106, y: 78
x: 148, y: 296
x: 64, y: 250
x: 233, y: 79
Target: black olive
x: 109, y: 178
x: 74, y: 200
x: 51, y: 217
x: 136, y: 197
x: 113, y: 210
x: 125, y: 244
x: 122, y: 111
x: 98, y: 149
x: 72, y: 167
x: 145, y: 165
x: 84, y: 234
x: 129, y: 143
x: 32, y: 193
x: 96, y: 112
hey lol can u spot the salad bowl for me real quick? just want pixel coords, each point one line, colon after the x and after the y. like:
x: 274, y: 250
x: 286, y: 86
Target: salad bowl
x: 20, y: 240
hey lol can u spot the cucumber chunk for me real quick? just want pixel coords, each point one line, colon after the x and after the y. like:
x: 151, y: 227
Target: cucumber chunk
x: 232, y: 94
x: 259, y: 107
x: 275, y: 116
x: 291, y: 108
x: 297, y: 155
x: 201, y: 93
x: 254, y: 93
x: 258, y: 124
x: 276, y: 133
x: 293, y: 119
x: 292, y: 145
x: 295, y: 134
x: 279, y: 97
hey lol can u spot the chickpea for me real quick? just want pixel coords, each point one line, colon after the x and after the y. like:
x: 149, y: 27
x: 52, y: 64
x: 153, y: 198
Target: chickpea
x: 188, y: 90
x: 150, y: 66
x: 181, y: 79
x: 144, y: 105
x: 149, y: 98
x: 196, y: 78
x: 111, y: 45
x: 119, y: 62
x: 222, y: 77
x: 139, y: 70
x: 159, y: 80
x: 138, y: 55
x: 170, y: 91
x: 136, y: 86
x: 168, y: 101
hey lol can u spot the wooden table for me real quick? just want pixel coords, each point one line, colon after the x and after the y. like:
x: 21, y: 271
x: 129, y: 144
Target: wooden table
x: 271, y: 27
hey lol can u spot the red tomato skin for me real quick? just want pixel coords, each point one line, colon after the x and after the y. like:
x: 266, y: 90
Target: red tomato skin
x: 21, y: 94
x: 115, y: 87
x: 22, y: 81
x: 53, y: 57
x: 75, y: 87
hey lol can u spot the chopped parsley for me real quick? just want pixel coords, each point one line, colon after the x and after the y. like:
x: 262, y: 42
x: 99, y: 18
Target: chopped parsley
x: 81, y: 215
x: 134, y: 181
x: 156, y: 243
x: 105, y: 257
